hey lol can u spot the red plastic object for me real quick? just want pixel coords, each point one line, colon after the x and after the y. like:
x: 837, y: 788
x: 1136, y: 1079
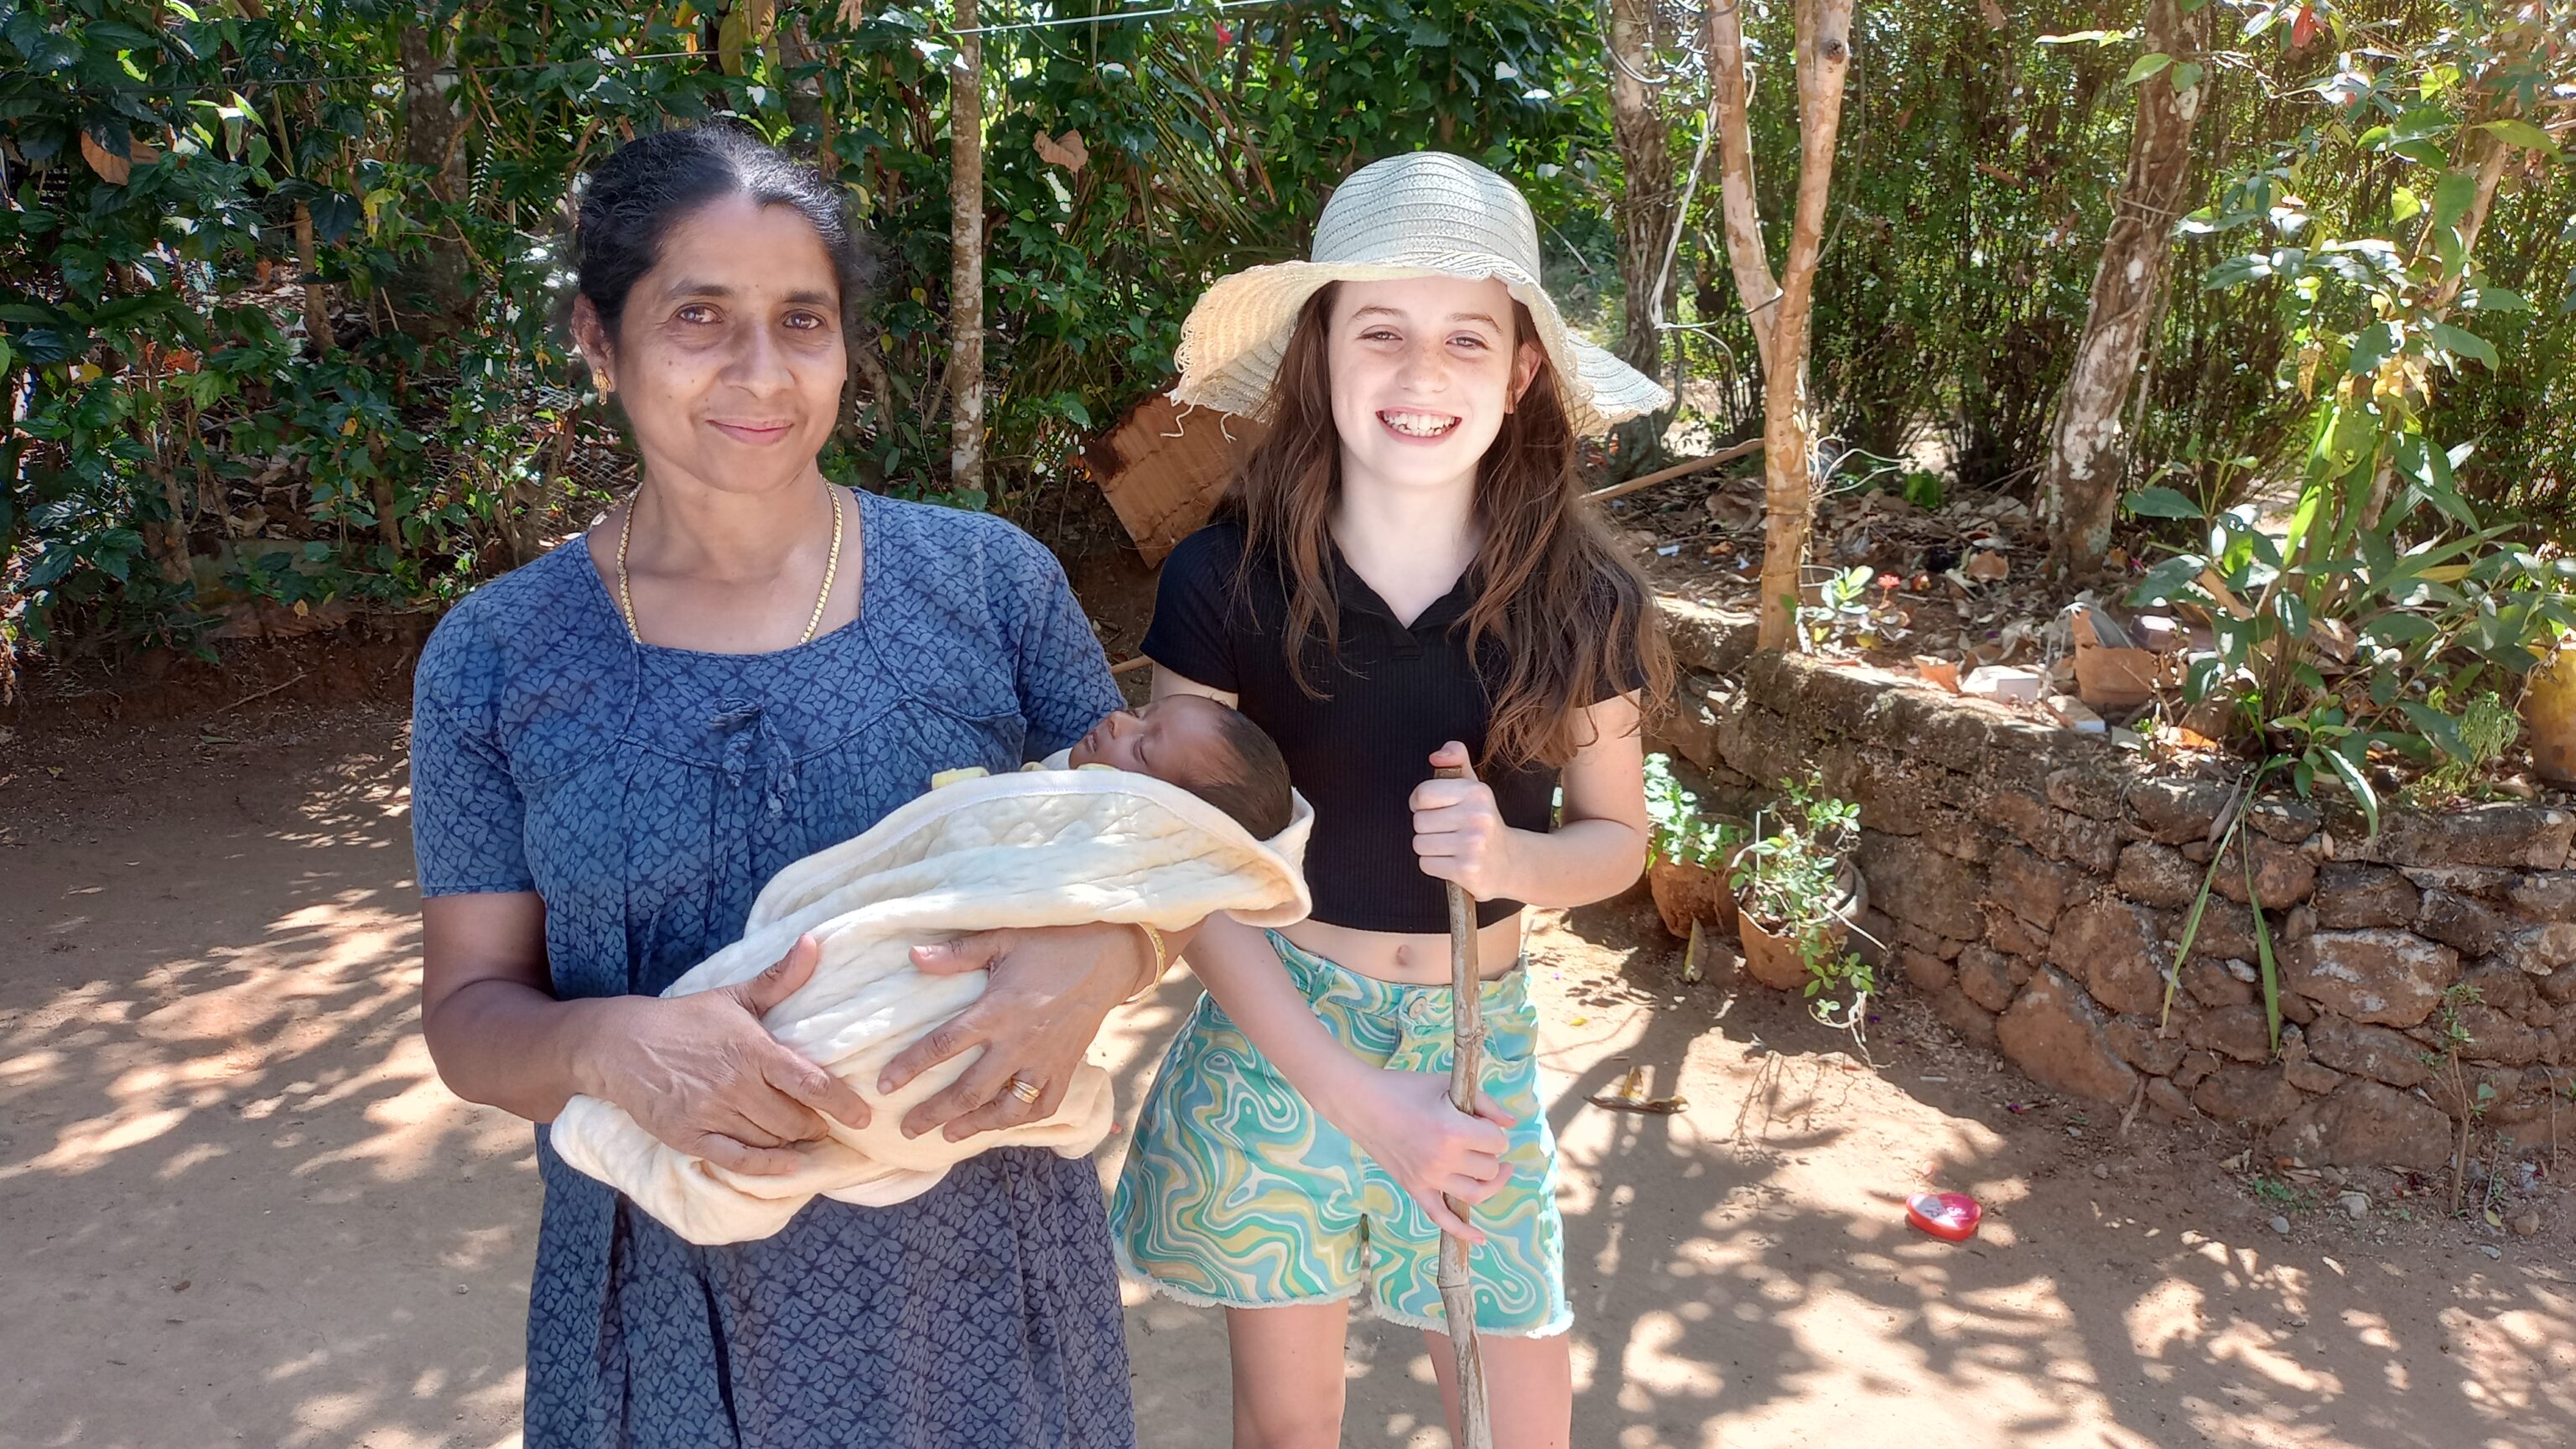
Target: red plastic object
x: 1949, y: 1216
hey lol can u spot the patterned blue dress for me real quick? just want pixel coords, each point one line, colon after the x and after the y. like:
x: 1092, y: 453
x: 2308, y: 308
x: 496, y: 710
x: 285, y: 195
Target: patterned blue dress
x: 647, y: 793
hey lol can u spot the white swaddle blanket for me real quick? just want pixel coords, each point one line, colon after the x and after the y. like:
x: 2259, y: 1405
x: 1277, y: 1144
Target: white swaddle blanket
x: 1049, y: 847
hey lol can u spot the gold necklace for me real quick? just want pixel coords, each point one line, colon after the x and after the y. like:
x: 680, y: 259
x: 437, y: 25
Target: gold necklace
x: 626, y: 598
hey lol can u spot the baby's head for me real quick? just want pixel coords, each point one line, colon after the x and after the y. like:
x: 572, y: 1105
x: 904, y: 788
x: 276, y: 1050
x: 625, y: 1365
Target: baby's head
x: 1205, y: 748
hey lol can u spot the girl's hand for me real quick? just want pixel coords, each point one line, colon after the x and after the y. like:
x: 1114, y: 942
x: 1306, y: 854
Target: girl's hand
x: 700, y: 1073
x: 1458, y: 833
x: 1429, y: 1147
x: 1051, y: 989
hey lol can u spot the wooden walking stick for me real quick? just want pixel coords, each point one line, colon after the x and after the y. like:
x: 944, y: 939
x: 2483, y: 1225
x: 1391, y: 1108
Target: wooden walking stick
x: 1457, y: 1281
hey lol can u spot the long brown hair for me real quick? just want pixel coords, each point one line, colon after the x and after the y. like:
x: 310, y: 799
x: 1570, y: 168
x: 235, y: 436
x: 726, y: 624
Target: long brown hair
x: 1559, y: 620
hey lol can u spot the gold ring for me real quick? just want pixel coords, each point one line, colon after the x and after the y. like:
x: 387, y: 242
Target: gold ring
x: 1021, y: 1089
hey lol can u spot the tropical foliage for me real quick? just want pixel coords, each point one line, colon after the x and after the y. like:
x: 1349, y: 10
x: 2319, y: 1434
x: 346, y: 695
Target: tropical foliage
x: 277, y: 277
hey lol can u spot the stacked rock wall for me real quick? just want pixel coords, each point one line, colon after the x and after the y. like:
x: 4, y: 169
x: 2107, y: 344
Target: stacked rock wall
x: 2032, y: 884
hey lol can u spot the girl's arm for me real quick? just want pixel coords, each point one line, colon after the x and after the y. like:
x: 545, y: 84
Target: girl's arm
x: 1596, y: 851
x: 1401, y: 1119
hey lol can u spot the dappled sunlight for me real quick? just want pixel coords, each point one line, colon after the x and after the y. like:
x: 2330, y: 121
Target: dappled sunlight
x: 2524, y: 1361
x: 225, y: 1155
x: 224, y: 1149
x: 1768, y: 1302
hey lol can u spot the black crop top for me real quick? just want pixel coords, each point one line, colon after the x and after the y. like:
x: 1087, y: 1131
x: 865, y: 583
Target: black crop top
x: 1395, y: 695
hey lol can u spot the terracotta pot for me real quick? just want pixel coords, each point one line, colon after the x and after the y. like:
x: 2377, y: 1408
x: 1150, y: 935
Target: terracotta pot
x: 1774, y: 961
x: 2549, y: 713
x: 1685, y: 893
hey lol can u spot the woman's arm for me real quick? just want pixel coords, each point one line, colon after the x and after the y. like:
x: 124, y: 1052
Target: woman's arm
x: 699, y: 1072
x: 1050, y: 989
x: 1596, y: 851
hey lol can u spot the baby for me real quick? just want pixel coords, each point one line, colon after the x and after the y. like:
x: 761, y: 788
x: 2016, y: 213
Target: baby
x: 1191, y: 741
x: 1194, y: 742
x: 1128, y: 835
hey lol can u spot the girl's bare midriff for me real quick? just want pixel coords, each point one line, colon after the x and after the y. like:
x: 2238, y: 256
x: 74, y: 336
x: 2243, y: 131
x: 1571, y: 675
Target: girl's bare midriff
x: 1414, y: 960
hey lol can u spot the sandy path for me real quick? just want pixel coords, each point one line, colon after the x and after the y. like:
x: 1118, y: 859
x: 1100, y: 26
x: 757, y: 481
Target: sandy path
x: 237, y: 1207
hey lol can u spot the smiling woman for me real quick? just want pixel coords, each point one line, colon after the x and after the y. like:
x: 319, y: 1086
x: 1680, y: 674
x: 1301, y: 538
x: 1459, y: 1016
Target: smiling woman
x: 617, y: 744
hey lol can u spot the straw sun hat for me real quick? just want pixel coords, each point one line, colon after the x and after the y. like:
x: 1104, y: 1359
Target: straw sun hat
x: 1424, y: 214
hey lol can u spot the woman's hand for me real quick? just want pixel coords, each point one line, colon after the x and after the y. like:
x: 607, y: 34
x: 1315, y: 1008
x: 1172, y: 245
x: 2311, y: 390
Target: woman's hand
x: 700, y: 1073
x: 1432, y: 1150
x: 1051, y: 989
x: 1458, y: 831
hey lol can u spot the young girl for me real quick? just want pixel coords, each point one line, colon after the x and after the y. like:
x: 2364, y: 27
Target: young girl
x: 1402, y: 577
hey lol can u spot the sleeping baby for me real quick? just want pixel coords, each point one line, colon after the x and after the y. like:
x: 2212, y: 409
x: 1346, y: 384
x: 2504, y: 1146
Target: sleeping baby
x: 1188, y: 740
x: 1161, y: 815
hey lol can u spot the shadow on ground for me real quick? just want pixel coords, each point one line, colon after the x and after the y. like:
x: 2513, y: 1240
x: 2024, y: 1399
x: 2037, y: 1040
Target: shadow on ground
x: 240, y: 1209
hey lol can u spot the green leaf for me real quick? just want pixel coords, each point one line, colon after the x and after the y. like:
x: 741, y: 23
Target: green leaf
x: 2404, y: 204
x: 2168, y: 580
x: 2465, y: 343
x: 2263, y: 957
x: 2399, y: 628
x: 2089, y: 37
x: 50, y: 568
x: 44, y: 46
x: 2494, y: 299
x: 2163, y: 503
x: 2435, y: 726
x: 117, y: 35
x: 2185, y: 76
x: 2146, y: 66
x: 2355, y: 782
x: 2236, y: 271
x: 2515, y: 131
x: 2421, y: 123
x: 334, y: 213
x: 2191, y: 922
x: 2372, y: 346
x: 2423, y: 153
x: 2452, y: 197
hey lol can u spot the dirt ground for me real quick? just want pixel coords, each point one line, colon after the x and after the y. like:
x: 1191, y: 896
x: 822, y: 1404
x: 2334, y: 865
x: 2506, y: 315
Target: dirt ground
x: 237, y: 1206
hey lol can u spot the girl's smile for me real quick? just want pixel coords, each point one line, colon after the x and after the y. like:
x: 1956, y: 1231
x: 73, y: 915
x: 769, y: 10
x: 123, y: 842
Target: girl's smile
x: 1418, y: 426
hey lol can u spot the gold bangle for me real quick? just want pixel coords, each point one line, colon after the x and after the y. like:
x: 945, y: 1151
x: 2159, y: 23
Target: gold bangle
x: 1162, y: 960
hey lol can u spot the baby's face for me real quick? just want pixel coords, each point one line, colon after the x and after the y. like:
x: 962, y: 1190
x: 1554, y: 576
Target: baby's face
x: 1173, y: 739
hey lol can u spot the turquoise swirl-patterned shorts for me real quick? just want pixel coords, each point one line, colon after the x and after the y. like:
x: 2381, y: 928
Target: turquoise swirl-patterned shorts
x: 1236, y: 1194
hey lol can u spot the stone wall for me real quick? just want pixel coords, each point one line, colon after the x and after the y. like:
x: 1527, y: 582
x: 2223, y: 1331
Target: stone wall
x: 2031, y: 883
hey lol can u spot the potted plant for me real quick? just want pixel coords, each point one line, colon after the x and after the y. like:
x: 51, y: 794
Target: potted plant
x: 1687, y: 854
x: 1796, y: 891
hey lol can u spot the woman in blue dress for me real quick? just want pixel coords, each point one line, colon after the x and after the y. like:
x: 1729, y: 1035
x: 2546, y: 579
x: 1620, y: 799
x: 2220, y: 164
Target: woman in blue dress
x: 617, y: 744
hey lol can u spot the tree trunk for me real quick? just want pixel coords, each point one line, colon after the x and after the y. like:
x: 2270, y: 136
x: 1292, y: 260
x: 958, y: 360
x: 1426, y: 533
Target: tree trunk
x: 966, y: 247
x: 1644, y: 143
x: 2087, y: 455
x: 1746, y: 254
x: 807, y: 106
x: 439, y: 286
x: 308, y: 260
x: 1779, y: 311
